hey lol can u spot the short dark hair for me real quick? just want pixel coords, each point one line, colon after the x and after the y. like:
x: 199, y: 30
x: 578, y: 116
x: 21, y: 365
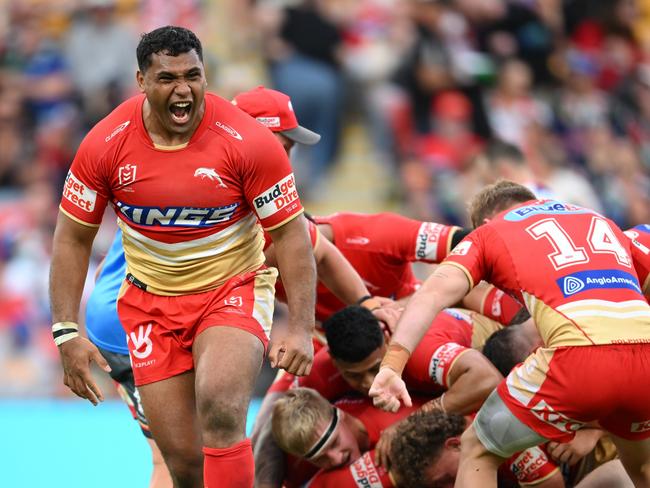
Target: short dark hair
x: 353, y: 333
x: 502, y: 351
x: 170, y: 40
x: 496, y: 198
x: 418, y: 441
x: 498, y: 149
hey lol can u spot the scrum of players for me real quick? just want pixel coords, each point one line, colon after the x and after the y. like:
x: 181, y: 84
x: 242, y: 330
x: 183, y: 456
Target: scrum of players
x: 520, y: 360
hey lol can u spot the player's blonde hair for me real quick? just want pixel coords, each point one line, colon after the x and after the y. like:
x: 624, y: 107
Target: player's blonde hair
x: 296, y: 418
x: 495, y: 198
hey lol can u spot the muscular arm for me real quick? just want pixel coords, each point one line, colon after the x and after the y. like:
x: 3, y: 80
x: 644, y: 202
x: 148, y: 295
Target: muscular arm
x: 296, y: 264
x: 70, y: 255
x: 471, y: 379
x: 337, y: 274
x: 269, y: 458
x: 444, y: 288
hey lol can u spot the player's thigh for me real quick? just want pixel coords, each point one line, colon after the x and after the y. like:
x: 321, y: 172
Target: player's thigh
x: 609, y: 475
x: 227, y: 361
x: 170, y: 410
x: 635, y: 456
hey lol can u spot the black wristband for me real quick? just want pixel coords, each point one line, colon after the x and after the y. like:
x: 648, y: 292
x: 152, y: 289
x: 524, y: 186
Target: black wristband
x: 458, y: 236
x: 363, y: 299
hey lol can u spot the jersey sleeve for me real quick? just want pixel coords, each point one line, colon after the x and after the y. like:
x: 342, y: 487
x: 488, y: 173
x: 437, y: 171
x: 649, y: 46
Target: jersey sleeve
x: 498, y: 305
x: 641, y: 259
x: 268, y: 181
x: 531, y: 466
x: 86, y: 190
x: 432, y: 361
x: 433, y: 242
x: 469, y: 256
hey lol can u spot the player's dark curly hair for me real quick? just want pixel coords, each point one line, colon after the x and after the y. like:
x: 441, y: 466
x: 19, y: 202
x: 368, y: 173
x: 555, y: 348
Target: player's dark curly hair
x: 170, y: 40
x: 501, y: 349
x: 419, y: 440
x: 353, y: 333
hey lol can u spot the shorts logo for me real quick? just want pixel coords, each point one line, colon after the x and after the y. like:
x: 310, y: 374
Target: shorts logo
x: 281, y: 196
x: 210, y: 174
x: 269, y: 121
x: 234, y: 302
x: 526, y: 466
x: 229, y: 130
x: 117, y: 130
x: 126, y: 174
x: 177, y: 216
x: 548, y: 207
x: 359, y: 241
x: 461, y: 249
x: 428, y: 240
x: 640, y: 426
x: 544, y: 412
x: 441, y: 361
x: 142, y: 339
x: 597, y: 280
x: 78, y: 193
x: 365, y: 473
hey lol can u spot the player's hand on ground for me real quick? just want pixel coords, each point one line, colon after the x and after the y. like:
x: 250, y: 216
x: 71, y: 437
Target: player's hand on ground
x: 76, y: 356
x: 382, y: 449
x: 388, y: 390
x: 294, y: 352
x: 571, y: 452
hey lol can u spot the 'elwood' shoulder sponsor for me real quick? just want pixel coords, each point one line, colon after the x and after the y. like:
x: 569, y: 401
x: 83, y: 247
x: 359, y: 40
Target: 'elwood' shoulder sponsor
x: 78, y: 193
x: 278, y: 197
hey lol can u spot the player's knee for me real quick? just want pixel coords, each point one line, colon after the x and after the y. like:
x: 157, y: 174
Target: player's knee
x: 223, y: 415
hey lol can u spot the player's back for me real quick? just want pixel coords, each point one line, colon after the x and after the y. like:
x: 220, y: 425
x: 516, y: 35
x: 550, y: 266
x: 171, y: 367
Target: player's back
x: 573, y: 269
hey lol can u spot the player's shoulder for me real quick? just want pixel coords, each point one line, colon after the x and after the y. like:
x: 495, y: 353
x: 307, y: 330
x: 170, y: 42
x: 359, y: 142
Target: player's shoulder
x: 116, y: 126
x: 235, y: 125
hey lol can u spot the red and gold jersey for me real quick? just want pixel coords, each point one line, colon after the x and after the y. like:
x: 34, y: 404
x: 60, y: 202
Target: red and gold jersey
x: 640, y: 236
x: 452, y: 333
x: 189, y: 214
x: 570, y: 266
x: 363, y: 473
x: 498, y: 305
x: 381, y: 248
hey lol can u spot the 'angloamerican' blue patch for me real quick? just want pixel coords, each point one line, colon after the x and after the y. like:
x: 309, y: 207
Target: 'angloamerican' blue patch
x: 548, y: 207
x: 597, y: 279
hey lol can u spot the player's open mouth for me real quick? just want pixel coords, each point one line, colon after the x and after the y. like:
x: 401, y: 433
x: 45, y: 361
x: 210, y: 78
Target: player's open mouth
x: 180, y: 111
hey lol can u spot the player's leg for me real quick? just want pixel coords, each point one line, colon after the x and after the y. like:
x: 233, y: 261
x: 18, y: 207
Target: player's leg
x: 635, y: 456
x: 160, y: 477
x: 170, y: 410
x: 227, y: 362
x: 495, y: 435
x: 609, y: 475
x: 122, y: 373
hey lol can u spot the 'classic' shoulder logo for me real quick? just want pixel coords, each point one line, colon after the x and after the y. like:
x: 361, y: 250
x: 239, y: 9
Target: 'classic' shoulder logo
x: 229, y: 130
x: 117, y: 130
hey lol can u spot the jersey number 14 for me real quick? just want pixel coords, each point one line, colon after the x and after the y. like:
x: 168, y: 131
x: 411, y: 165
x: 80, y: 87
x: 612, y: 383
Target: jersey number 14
x: 600, y: 238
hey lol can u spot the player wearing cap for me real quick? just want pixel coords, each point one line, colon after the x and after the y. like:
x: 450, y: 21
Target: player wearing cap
x: 573, y: 269
x: 191, y: 178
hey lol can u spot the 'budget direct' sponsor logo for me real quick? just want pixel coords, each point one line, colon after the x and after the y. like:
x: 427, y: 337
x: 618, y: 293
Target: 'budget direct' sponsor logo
x: 280, y: 196
x: 365, y: 473
x: 177, y: 216
x: 597, y: 279
x: 78, y: 193
x: 428, y: 240
x: 527, y: 466
x: 548, y: 207
x: 442, y: 360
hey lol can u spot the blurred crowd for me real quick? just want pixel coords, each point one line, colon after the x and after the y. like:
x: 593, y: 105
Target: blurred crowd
x: 433, y: 82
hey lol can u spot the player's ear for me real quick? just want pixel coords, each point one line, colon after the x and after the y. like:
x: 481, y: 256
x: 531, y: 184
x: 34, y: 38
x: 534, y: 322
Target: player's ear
x: 453, y: 442
x: 486, y: 220
x: 139, y: 78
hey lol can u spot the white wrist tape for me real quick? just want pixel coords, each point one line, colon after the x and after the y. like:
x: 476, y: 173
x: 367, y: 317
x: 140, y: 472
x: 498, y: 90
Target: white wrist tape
x: 64, y: 331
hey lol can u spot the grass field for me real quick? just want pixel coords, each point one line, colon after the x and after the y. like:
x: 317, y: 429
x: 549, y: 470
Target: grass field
x: 70, y: 443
